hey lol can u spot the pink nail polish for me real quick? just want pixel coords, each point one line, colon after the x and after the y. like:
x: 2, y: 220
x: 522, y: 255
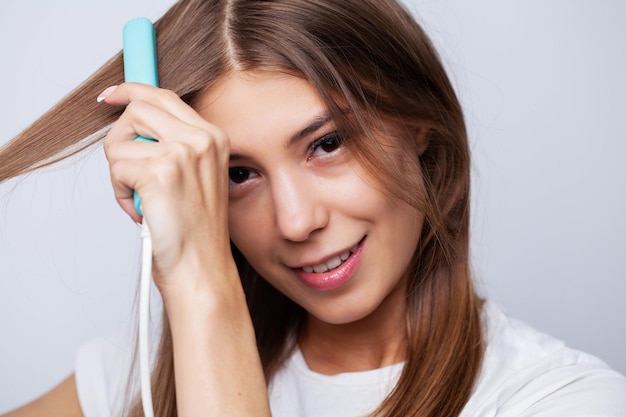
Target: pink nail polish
x: 103, y: 95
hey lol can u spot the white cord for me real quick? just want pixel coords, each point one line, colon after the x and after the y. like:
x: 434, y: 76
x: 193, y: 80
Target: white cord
x: 144, y: 320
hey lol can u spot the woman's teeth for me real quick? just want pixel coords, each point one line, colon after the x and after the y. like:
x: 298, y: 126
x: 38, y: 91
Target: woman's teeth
x: 331, y: 263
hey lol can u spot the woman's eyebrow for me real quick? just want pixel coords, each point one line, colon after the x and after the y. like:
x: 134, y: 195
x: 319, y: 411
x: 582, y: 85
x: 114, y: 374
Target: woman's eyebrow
x: 316, y: 123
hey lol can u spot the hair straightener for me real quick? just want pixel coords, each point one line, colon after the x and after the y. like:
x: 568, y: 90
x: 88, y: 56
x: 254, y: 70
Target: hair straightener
x: 140, y: 66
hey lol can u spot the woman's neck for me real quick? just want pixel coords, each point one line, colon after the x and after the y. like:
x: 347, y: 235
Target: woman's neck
x: 373, y: 342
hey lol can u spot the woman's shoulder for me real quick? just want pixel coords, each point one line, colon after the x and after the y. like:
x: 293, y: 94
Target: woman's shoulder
x: 106, y: 369
x: 102, y: 368
x: 526, y: 372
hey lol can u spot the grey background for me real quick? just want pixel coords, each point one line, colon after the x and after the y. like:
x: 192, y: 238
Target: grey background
x: 542, y: 83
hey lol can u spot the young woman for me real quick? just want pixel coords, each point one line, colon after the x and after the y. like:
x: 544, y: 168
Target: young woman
x: 309, y: 205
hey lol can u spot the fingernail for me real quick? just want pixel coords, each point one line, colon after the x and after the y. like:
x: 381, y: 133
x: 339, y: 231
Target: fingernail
x: 106, y: 93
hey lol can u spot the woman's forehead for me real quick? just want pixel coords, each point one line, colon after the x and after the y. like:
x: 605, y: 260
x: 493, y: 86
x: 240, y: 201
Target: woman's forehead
x: 262, y: 107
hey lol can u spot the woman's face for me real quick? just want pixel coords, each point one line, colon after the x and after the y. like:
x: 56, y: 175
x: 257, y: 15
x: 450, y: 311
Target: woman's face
x: 302, y: 210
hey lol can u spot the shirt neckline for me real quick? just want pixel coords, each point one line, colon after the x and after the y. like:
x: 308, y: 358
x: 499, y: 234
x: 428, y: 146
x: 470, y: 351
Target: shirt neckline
x: 370, y: 377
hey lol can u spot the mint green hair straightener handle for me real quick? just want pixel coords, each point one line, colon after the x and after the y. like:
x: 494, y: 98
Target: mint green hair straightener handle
x: 140, y: 62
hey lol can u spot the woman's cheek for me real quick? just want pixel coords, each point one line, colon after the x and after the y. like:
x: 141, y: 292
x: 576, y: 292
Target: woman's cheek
x: 249, y: 229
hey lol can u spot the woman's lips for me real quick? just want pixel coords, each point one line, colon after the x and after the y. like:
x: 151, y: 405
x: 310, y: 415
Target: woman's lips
x: 334, y: 272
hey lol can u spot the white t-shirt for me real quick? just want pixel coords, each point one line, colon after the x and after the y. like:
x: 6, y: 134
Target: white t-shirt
x: 525, y: 373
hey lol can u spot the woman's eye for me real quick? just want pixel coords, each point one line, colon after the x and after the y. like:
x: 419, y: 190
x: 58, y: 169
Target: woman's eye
x: 238, y: 175
x: 326, y: 144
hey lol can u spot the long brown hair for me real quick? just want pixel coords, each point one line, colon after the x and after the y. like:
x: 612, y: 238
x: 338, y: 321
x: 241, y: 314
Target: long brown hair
x: 377, y: 71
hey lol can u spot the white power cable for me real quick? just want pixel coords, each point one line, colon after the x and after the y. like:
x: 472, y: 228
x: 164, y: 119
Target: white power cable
x: 144, y: 320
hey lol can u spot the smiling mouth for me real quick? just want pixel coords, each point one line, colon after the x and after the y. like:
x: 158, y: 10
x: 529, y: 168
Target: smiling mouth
x: 332, y: 263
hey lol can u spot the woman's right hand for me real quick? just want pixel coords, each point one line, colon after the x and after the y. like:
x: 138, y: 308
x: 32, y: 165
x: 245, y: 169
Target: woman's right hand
x: 182, y: 180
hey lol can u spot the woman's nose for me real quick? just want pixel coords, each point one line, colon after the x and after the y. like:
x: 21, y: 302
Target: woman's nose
x: 299, y: 207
